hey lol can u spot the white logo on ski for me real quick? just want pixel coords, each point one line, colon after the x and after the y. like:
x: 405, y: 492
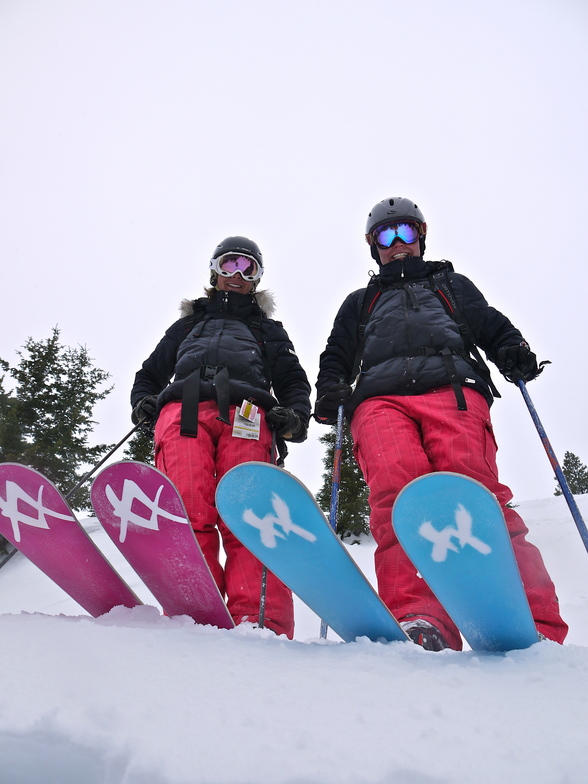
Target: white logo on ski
x: 462, y: 532
x: 9, y: 508
x: 122, y: 508
x: 266, y: 525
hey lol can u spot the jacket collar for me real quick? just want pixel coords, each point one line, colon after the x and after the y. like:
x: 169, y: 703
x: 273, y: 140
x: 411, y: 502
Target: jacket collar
x: 237, y: 304
x: 408, y: 269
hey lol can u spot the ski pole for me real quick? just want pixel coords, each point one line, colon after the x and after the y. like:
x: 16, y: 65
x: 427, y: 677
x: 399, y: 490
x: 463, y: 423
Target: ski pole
x: 580, y: 524
x: 104, y: 459
x: 263, y: 594
x: 336, y: 481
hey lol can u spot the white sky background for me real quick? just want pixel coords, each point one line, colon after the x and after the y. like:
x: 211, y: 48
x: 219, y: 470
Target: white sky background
x: 136, y: 134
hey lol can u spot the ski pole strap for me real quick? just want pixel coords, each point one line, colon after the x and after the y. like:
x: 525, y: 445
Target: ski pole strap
x: 282, y: 448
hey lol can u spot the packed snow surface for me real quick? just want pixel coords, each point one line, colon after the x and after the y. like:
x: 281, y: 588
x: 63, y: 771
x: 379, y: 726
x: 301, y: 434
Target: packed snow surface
x: 134, y: 697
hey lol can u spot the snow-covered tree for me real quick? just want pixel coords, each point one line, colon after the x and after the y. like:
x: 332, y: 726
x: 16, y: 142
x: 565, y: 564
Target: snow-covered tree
x: 46, y: 417
x: 576, y: 474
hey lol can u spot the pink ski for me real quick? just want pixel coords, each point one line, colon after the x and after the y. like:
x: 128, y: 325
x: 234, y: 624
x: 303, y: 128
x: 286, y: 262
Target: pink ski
x: 144, y: 515
x: 36, y: 518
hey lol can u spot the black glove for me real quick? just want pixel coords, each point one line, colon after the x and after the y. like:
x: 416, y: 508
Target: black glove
x: 145, y: 409
x: 286, y: 423
x: 517, y: 361
x: 327, y: 406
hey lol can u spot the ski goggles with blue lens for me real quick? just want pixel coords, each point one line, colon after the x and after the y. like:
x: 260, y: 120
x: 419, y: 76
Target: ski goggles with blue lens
x: 229, y: 264
x: 384, y: 236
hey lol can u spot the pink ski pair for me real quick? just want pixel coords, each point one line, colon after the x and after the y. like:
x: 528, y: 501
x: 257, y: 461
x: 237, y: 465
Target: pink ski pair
x: 141, y: 511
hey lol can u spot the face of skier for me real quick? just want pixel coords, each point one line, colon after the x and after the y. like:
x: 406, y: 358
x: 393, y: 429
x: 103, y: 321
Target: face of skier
x: 234, y: 283
x: 397, y: 240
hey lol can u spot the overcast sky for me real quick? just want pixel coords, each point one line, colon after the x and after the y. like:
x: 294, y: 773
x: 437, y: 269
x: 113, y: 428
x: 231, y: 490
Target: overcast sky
x: 136, y: 134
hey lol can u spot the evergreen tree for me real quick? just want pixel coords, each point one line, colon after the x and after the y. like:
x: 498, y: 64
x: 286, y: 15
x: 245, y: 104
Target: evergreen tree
x: 353, y: 514
x: 576, y: 474
x: 45, y: 421
x: 140, y: 446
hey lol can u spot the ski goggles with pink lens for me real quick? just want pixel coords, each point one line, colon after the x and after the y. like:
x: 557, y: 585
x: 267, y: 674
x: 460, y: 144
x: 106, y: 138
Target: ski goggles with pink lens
x: 383, y: 236
x: 229, y: 264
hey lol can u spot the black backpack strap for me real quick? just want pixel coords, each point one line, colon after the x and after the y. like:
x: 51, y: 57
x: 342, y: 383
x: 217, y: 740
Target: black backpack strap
x: 439, y: 281
x: 255, y: 327
x: 370, y: 297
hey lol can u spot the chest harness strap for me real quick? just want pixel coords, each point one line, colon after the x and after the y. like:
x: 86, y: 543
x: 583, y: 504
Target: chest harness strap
x: 219, y: 376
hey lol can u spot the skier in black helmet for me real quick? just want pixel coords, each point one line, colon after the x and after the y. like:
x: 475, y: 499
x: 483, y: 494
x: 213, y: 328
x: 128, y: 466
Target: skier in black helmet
x: 402, y: 358
x: 236, y: 378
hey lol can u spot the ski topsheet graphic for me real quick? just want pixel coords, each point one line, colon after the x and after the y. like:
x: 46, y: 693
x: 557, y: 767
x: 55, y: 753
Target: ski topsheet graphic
x: 453, y: 530
x: 277, y: 519
x: 35, y: 517
x: 144, y: 515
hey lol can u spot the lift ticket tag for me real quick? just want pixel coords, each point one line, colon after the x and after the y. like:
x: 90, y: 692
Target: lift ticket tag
x: 248, y: 410
x: 247, y: 423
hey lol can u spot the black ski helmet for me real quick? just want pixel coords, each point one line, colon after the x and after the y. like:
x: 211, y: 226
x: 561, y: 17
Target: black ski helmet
x: 396, y: 208
x: 236, y: 245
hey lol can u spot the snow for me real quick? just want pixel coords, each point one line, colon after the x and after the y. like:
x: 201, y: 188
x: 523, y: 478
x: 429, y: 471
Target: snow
x: 134, y: 697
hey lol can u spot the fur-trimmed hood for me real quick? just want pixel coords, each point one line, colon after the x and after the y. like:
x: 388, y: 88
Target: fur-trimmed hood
x: 264, y: 299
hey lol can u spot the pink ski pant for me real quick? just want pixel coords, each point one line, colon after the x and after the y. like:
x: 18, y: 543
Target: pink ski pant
x: 397, y: 438
x: 195, y: 465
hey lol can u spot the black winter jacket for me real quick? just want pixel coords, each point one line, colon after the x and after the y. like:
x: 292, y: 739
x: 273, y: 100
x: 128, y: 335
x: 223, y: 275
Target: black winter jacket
x: 216, y: 331
x: 407, y: 328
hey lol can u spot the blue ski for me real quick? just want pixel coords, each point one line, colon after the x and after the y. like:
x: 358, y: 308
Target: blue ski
x: 453, y: 530
x: 274, y: 515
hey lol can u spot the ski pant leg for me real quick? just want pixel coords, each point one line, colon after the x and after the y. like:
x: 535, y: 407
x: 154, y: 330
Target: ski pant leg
x: 463, y: 441
x: 388, y: 447
x: 243, y: 571
x: 195, y: 465
x: 190, y: 464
